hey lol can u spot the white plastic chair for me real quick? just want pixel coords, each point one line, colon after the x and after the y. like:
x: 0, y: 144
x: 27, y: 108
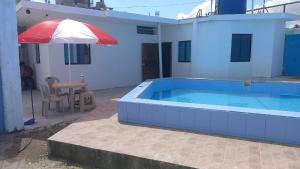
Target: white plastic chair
x: 55, y: 92
x: 47, y: 99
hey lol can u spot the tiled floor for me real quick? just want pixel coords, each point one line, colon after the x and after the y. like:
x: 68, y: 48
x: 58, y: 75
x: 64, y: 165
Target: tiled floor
x: 100, y: 129
x: 102, y: 97
x: 184, y: 148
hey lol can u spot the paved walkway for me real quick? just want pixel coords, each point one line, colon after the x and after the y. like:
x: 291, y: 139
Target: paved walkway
x: 35, y: 155
x: 183, y: 148
x: 100, y: 129
x: 102, y: 97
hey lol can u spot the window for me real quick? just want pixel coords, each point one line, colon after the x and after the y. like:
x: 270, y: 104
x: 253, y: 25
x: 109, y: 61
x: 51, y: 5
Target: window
x: 146, y: 30
x: 37, y: 54
x: 184, y: 51
x: 80, y: 54
x: 241, y: 47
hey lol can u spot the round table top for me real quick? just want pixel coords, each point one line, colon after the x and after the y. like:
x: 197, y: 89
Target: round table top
x: 69, y: 84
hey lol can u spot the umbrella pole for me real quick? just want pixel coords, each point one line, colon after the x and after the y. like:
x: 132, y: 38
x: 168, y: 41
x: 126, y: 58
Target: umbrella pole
x: 69, y: 65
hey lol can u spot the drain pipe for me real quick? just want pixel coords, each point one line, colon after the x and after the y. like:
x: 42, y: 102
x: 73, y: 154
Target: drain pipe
x: 160, y: 51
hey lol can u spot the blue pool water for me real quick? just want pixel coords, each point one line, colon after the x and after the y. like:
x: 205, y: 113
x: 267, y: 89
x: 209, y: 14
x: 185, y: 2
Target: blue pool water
x: 225, y: 98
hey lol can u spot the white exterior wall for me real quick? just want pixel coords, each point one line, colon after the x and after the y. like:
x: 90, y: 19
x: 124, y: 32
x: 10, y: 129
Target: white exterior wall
x: 278, y: 48
x: 42, y: 70
x: 214, y: 49
x: 174, y: 34
x: 211, y: 48
x: 120, y: 65
x: 111, y: 66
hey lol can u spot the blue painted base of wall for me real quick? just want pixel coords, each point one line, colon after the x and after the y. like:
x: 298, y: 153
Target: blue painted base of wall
x: 2, y: 129
x: 271, y: 128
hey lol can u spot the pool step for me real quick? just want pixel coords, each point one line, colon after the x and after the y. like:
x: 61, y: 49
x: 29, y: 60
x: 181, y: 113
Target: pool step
x: 107, y: 144
x: 105, y: 159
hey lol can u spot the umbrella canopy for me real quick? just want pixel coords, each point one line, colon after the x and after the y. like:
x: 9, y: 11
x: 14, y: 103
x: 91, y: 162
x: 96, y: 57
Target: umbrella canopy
x: 66, y: 31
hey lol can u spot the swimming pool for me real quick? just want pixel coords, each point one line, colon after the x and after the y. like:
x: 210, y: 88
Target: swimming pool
x: 225, y: 98
x: 248, y: 109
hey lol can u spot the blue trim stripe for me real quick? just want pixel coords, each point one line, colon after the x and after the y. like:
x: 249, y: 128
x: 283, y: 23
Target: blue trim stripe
x: 2, y: 129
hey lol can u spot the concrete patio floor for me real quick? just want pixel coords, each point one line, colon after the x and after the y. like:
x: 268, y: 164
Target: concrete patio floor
x: 89, y: 139
x: 99, y: 129
x: 184, y: 149
x: 103, y: 97
x: 33, y: 140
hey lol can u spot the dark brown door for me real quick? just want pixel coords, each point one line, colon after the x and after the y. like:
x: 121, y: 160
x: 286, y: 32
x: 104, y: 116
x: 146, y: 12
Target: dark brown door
x: 150, y: 61
x: 167, y: 59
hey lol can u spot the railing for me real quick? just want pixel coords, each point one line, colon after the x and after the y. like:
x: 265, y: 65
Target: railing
x: 265, y: 9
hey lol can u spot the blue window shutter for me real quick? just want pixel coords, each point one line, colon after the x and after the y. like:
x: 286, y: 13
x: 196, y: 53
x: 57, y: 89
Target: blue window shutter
x: 241, y: 47
x: 181, y: 51
x: 188, y: 51
x: 66, y: 54
x: 73, y: 53
x: 245, y: 48
x: 79, y: 54
x: 184, y: 51
x: 235, y: 48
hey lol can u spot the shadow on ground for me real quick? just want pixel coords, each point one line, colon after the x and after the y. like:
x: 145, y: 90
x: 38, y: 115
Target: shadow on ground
x: 28, y: 148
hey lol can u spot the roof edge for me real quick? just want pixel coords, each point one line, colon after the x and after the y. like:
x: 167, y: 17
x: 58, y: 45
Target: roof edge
x: 93, y: 12
x: 240, y: 17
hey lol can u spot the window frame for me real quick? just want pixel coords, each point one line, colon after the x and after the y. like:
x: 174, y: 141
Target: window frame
x: 248, y: 59
x: 66, y: 54
x: 186, y: 59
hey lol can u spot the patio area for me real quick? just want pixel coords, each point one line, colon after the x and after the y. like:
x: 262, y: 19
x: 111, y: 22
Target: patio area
x: 103, y: 101
x: 97, y: 139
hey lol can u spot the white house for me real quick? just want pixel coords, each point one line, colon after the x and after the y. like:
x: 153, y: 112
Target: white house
x: 219, y: 46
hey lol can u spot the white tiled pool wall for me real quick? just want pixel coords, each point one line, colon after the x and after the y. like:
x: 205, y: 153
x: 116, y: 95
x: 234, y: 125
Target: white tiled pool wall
x: 274, y: 128
x: 278, y: 129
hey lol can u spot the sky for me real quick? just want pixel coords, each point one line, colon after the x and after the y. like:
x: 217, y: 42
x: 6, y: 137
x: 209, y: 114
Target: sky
x: 167, y: 8
x: 178, y: 8
x: 173, y: 8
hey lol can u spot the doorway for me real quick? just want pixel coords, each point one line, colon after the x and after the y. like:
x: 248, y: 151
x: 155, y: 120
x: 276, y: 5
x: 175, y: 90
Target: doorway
x: 150, y: 60
x: 167, y: 59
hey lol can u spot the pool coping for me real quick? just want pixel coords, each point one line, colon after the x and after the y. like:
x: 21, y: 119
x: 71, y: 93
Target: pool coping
x: 250, y: 123
x: 133, y: 95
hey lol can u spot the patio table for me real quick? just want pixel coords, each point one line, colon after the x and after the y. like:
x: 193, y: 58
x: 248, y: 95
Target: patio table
x: 71, y: 85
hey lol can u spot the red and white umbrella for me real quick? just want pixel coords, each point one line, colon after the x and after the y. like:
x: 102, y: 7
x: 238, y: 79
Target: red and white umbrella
x: 67, y: 32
